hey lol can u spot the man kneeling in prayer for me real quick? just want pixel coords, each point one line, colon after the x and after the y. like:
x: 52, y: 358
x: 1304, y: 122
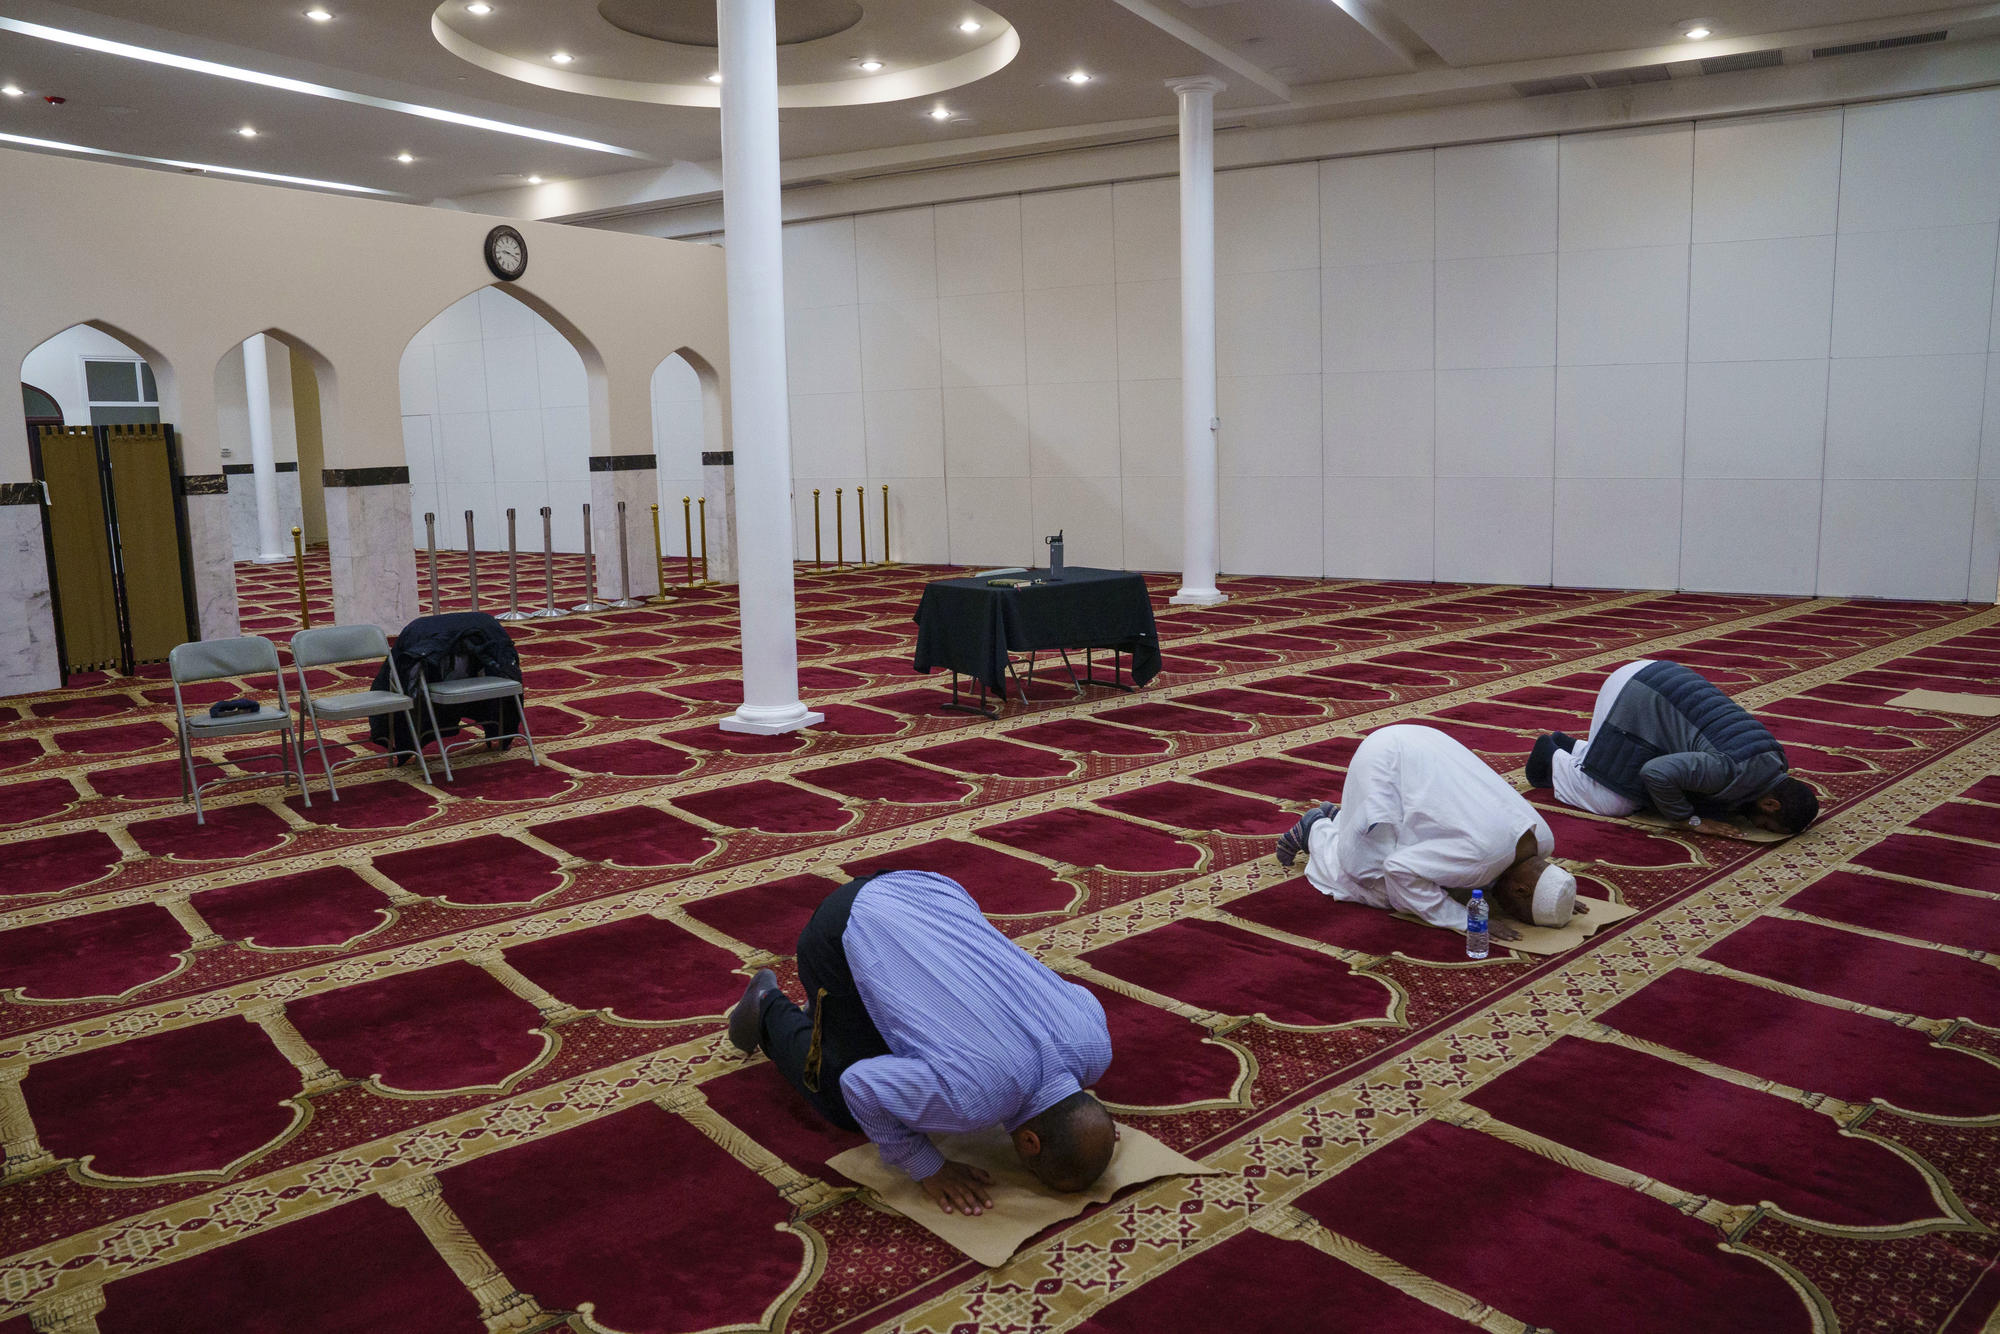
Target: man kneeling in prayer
x: 1422, y: 822
x: 1662, y: 735
x: 923, y: 1020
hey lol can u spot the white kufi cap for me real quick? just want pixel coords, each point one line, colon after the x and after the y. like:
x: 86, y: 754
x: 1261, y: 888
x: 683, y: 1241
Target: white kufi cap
x: 1555, y: 897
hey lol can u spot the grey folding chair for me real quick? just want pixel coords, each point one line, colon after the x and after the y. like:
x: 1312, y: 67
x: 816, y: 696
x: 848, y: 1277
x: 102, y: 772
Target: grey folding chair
x: 474, y: 690
x: 213, y: 660
x: 331, y: 646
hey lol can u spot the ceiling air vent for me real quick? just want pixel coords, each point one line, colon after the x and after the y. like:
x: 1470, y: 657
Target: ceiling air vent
x: 1622, y: 78
x: 1568, y: 83
x: 1747, y: 60
x: 1887, y: 43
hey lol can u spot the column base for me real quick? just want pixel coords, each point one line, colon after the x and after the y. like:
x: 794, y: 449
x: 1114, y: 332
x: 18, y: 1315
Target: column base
x: 281, y: 558
x: 1197, y: 597
x: 769, y: 721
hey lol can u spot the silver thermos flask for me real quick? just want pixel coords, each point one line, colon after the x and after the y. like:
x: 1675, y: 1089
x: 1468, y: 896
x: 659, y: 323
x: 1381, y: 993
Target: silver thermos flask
x: 1055, y: 556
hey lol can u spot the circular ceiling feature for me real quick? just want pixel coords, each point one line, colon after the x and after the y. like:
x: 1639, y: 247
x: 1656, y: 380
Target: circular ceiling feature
x: 692, y: 22
x: 664, y: 51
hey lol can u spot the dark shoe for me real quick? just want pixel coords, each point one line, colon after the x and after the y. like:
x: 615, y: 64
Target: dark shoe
x: 1541, y: 760
x: 1294, y: 840
x: 746, y: 1021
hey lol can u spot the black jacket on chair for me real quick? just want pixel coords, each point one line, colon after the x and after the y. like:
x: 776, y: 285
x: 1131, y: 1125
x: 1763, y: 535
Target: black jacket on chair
x: 447, y: 648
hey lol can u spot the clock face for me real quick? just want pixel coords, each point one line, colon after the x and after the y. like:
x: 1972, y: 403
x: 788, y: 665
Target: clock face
x: 506, y: 253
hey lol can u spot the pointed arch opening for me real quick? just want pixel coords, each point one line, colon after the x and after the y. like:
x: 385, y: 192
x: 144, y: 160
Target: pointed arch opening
x: 274, y: 394
x: 687, y: 424
x: 498, y: 392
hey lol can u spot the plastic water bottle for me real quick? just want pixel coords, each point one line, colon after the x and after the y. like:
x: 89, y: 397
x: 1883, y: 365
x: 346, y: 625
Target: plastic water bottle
x: 1476, y: 938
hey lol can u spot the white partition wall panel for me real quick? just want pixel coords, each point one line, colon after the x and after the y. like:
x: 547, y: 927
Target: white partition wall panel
x: 1737, y: 355
x: 495, y: 414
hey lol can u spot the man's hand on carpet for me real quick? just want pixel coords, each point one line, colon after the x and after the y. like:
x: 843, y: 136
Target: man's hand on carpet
x: 1580, y: 906
x: 1499, y: 930
x: 959, y: 1188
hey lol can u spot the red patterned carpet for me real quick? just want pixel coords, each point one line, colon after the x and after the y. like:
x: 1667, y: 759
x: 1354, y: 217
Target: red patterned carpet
x: 451, y: 1058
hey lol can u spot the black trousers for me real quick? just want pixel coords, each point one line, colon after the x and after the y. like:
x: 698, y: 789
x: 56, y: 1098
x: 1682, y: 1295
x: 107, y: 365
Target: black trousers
x: 812, y: 1047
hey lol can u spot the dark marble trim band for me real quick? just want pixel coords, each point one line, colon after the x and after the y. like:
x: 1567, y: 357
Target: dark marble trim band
x: 623, y: 462
x: 718, y: 458
x: 365, y: 476
x: 245, y: 469
x: 20, y: 493
x: 204, y: 484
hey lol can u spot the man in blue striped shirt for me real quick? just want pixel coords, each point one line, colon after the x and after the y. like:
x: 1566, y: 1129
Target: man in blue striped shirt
x: 924, y: 1020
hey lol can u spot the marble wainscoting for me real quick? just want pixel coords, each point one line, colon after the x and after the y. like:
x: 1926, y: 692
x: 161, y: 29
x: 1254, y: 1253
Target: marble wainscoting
x: 718, y: 484
x: 243, y: 509
x: 632, y: 478
x: 368, y: 545
x: 212, y: 554
x: 28, y: 659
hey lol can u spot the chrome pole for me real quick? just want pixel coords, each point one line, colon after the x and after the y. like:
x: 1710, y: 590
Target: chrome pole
x: 590, y: 602
x: 549, y: 607
x: 471, y: 560
x: 431, y: 548
x: 513, y: 612
x: 625, y: 598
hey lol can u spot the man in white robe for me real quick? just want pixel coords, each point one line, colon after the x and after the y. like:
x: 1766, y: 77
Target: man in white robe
x: 1422, y: 822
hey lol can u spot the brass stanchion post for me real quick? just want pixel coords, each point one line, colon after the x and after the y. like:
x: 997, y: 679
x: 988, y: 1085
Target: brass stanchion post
x: 885, y: 523
x: 299, y: 564
x: 701, y: 508
x: 861, y: 525
x: 839, y: 532
x: 687, y: 536
x: 816, y: 560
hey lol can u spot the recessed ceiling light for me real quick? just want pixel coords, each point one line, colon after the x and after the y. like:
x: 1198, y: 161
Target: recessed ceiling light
x: 534, y: 180
x: 715, y: 77
x: 59, y: 147
x: 10, y: 90
x: 248, y: 131
x: 480, y: 9
x: 940, y: 113
x: 1696, y: 33
x: 970, y: 25
x: 562, y: 57
x: 406, y: 157
x: 86, y: 42
x: 1076, y: 76
x: 870, y: 66
x: 318, y: 15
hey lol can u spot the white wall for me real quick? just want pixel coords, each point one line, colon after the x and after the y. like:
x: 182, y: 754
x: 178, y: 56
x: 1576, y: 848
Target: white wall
x: 496, y: 414
x: 1752, y: 354
x: 56, y: 367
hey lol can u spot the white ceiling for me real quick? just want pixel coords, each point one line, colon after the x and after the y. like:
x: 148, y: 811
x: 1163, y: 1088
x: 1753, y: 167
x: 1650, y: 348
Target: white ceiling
x: 1284, y: 61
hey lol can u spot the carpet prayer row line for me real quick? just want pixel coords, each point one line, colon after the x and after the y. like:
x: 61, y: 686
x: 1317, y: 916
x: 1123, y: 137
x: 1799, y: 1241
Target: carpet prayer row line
x: 451, y: 1057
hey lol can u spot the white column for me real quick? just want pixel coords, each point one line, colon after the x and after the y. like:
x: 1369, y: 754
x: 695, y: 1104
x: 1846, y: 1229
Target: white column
x: 1199, y: 541
x: 759, y: 410
x: 263, y: 458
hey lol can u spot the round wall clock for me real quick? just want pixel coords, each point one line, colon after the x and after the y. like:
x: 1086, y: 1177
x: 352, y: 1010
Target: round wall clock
x: 506, y: 253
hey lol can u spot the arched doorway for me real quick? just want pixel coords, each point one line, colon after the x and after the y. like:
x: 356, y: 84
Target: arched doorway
x: 496, y: 415
x: 93, y: 377
x: 687, y: 426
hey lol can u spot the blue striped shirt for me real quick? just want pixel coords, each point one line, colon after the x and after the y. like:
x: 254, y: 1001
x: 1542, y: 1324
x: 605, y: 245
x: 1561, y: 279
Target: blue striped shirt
x: 980, y: 1033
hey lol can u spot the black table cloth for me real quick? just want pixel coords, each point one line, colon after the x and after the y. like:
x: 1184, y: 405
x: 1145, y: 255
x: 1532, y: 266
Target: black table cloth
x: 970, y: 627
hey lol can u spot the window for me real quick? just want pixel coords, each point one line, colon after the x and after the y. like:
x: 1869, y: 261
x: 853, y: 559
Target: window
x: 122, y: 391
x: 36, y: 403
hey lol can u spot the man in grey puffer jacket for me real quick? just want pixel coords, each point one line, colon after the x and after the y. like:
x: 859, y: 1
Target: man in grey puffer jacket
x: 1662, y: 735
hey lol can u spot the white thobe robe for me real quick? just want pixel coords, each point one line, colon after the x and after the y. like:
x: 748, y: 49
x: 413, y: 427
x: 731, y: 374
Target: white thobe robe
x: 1574, y: 787
x: 1419, y: 814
